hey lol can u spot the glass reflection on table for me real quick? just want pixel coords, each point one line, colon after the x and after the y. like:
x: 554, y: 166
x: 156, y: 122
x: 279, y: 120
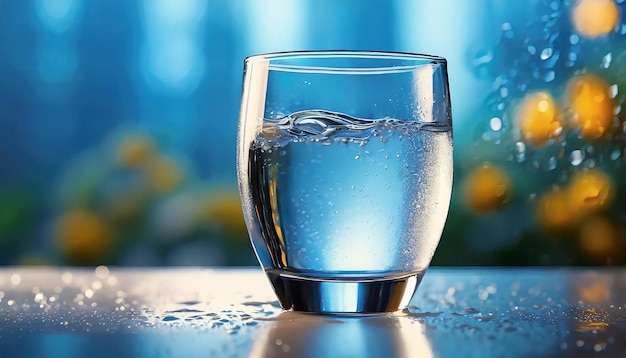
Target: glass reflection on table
x: 306, y: 335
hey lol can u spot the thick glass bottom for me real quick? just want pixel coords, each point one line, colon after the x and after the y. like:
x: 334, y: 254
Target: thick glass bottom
x: 343, y: 296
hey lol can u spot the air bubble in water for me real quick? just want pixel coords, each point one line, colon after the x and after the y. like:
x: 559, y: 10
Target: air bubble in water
x: 576, y: 157
x: 574, y: 39
x: 613, y: 90
x: 615, y: 154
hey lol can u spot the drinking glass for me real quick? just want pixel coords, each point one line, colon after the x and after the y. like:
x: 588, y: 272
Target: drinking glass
x: 344, y: 163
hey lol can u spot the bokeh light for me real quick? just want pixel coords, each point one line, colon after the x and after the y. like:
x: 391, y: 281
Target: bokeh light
x: 487, y: 188
x: 84, y: 237
x: 164, y: 174
x: 591, y: 105
x: 539, y: 118
x: 601, y: 240
x: 590, y: 190
x: 135, y: 151
x: 594, y: 18
x: 594, y: 288
x: 554, y: 210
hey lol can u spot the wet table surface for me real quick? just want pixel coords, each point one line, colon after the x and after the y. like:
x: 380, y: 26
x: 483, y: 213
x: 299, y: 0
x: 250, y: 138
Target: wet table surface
x: 198, y: 312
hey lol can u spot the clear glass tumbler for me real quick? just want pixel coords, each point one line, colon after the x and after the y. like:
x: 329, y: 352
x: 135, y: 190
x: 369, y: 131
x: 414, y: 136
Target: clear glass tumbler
x: 344, y: 162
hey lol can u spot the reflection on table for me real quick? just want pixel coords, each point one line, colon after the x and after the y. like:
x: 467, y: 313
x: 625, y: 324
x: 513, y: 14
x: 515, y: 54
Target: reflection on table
x: 58, y: 312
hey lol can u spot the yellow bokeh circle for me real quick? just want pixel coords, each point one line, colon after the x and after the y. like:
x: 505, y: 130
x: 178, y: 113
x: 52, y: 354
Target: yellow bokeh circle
x: 487, y: 188
x: 538, y: 118
x: 134, y: 151
x: 225, y: 210
x: 594, y: 18
x: 554, y: 211
x: 83, y: 236
x: 591, y: 106
x: 590, y: 190
x: 600, y: 239
x: 164, y: 174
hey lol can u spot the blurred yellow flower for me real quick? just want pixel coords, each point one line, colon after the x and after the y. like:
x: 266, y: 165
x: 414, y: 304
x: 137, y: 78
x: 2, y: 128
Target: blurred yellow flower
x: 134, y: 151
x: 554, y: 211
x: 83, y: 237
x: 164, y: 174
x: 486, y: 188
x: 590, y: 190
x: 225, y: 210
x: 591, y: 106
x: 600, y: 238
x: 539, y: 118
x: 594, y: 18
x: 125, y: 207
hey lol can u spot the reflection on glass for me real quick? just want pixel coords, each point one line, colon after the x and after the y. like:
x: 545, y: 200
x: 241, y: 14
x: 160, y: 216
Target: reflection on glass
x: 304, y: 335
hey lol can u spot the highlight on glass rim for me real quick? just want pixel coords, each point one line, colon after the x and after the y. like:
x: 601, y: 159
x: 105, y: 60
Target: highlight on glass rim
x: 117, y: 143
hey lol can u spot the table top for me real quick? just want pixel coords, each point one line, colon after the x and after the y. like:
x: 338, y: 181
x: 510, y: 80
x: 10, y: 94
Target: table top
x: 189, y: 312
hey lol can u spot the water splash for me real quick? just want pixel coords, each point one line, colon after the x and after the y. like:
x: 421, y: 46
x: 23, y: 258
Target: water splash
x: 329, y: 127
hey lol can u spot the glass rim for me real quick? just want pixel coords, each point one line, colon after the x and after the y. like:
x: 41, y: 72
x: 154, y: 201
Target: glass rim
x: 420, y: 60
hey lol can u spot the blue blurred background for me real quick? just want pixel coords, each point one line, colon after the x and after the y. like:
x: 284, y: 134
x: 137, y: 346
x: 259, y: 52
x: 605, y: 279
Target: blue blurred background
x: 118, y: 123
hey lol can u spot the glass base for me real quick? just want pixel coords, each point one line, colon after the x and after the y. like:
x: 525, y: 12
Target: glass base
x: 343, y: 296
